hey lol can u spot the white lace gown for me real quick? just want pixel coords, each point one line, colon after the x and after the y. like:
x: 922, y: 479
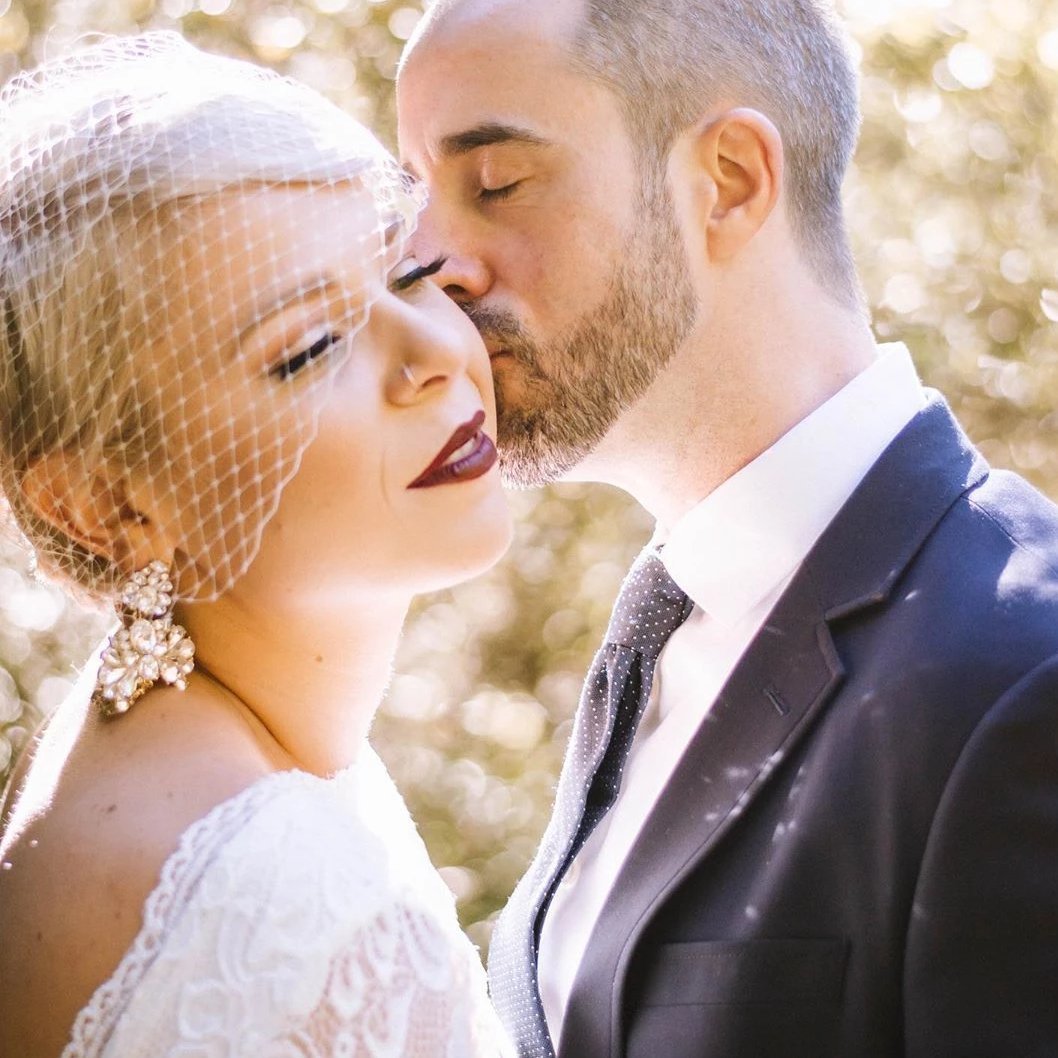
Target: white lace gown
x: 301, y: 918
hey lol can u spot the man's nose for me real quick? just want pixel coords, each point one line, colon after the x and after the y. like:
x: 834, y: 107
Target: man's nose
x: 464, y: 278
x: 465, y: 275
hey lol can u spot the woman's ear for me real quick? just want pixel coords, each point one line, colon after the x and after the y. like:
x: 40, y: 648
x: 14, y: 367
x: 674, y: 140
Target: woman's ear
x: 94, y: 508
x: 727, y: 175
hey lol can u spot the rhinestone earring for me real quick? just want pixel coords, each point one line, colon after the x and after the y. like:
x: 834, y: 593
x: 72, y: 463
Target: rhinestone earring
x: 147, y: 647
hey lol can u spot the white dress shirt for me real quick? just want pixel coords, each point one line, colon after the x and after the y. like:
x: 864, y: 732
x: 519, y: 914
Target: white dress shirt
x: 733, y: 554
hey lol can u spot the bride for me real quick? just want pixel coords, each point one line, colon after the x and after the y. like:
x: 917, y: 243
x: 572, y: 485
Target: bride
x: 235, y: 411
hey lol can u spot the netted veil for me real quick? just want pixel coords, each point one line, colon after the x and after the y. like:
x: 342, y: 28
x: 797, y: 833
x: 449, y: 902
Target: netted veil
x: 162, y: 333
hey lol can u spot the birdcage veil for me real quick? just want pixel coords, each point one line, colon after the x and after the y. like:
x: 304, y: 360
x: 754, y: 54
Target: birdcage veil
x: 140, y: 256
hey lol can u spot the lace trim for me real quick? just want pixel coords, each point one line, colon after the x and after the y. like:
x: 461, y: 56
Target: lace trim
x: 179, y: 875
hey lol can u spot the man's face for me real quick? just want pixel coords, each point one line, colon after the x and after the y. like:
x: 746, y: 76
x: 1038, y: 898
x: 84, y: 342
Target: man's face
x: 560, y: 249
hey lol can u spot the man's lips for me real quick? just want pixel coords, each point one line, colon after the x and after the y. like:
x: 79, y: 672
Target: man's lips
x: 475, y: 456
x: 495, y: 349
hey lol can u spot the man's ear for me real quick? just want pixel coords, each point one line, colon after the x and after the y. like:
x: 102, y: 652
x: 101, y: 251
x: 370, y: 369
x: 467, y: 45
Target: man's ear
x: 727, y: 175
x: 94, y: 508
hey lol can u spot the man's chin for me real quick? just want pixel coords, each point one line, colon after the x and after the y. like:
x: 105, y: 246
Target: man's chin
x: 546, y: 434
x: 528, y: 462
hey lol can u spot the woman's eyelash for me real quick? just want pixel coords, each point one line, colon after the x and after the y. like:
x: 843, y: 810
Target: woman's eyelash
x: 324, y: 342
x: 496, y: 194
x: 292, y: 366
x: 417, y: 275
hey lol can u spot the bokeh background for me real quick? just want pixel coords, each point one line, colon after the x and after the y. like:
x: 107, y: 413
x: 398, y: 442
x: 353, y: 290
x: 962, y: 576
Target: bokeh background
x: 954, y: 212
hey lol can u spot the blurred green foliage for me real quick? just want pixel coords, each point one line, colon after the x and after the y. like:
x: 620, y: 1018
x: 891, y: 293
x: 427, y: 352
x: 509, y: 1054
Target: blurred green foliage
x: 953, y: 205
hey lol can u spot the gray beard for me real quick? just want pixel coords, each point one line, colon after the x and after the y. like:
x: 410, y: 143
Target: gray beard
x: 606, y: 364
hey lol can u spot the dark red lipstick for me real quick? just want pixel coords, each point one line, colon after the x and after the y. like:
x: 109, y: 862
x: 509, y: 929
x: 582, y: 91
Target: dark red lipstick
x: 478, y: 459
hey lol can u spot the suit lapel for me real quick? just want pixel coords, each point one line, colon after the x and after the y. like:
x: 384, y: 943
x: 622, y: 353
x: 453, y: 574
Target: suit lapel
x: 786, y: 678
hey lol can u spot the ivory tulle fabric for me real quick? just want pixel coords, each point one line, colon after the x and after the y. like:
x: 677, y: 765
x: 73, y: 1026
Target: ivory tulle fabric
x: 300, y: 918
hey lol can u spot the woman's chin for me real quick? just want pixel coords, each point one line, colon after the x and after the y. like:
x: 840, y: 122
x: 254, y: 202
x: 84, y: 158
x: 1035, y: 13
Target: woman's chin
x: 460, y: 555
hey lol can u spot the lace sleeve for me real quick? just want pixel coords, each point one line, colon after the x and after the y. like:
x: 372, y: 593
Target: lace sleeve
x: 311, y: 930
x: 398, y: 991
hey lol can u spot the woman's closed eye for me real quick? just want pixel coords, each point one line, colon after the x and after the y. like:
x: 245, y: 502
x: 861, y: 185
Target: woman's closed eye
x: 317, y: 342
x: 498, y: 194
x: 321, y: 339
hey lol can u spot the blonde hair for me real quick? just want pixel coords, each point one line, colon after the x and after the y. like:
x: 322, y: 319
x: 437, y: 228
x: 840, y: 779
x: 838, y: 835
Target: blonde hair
x: 75, y: 307
x: 80, y: 171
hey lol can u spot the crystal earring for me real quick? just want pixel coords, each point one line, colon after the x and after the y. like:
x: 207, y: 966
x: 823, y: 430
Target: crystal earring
x: 147, y: 647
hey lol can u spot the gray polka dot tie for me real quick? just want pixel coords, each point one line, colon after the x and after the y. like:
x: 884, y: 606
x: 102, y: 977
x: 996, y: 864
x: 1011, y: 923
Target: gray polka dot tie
x: 649, y: 608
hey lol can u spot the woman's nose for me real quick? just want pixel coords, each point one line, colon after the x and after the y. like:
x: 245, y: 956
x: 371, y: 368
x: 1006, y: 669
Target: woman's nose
x: 435, y: 349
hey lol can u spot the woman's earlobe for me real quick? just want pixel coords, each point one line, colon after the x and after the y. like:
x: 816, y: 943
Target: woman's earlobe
x: 87, y: 506
x: 64, y: 498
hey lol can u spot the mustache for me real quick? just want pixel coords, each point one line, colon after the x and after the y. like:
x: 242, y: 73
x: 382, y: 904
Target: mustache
x: 505, y: 329
x: 499, y: 325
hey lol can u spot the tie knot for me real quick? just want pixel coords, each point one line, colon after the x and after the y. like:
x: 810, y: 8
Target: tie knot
x: 649, y: 607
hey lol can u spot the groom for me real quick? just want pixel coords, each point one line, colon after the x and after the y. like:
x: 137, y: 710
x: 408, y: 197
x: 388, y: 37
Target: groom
x: 810, y: 806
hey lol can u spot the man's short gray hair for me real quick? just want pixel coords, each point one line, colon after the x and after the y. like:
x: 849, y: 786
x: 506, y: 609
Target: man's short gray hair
x: 670, y: 60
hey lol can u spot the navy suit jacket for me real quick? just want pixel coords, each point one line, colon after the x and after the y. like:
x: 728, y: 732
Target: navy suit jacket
x: 857, y: 857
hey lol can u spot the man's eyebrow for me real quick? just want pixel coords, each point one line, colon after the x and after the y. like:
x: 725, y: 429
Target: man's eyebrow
x: 487, y: 135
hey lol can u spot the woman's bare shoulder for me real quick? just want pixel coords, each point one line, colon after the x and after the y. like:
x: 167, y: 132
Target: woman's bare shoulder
x: 86, y: 842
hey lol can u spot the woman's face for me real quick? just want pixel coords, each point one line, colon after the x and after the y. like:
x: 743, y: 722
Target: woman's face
x: 290, y: 345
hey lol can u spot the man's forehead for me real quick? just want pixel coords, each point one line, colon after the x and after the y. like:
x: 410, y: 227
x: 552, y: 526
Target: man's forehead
x: 490, y: 69
x: 450, y: 21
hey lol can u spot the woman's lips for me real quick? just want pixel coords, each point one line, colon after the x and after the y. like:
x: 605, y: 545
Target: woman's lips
x: 468, y: 455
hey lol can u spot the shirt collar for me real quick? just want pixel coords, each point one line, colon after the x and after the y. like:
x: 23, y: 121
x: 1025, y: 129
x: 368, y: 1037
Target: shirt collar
x: 743, y: 541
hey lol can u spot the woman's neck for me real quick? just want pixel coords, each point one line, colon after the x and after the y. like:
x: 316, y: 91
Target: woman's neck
x: 310, y: 681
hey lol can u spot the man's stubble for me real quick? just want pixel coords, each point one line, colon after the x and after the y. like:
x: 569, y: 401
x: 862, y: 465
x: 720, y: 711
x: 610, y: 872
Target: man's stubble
x: 573, y: 389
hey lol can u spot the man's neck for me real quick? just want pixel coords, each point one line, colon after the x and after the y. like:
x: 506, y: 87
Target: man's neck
x: 727, y: 396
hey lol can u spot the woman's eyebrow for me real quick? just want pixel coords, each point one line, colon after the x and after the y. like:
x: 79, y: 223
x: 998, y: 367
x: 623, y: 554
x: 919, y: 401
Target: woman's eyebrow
x: 307, y: 290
